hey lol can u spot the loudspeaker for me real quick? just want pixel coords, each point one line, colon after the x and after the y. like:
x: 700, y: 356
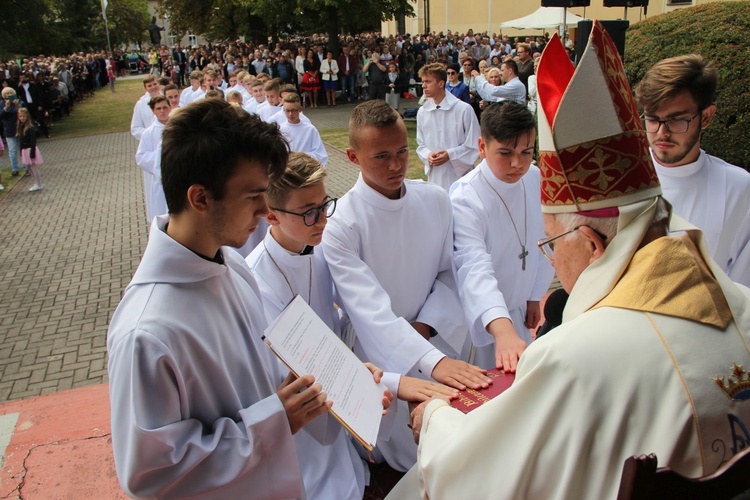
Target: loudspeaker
x: 616, y: 30
x: 566, y: 3
x: 626, y: 3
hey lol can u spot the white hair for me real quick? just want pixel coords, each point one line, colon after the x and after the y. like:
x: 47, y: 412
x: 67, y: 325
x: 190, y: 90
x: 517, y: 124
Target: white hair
x: 608, y: 225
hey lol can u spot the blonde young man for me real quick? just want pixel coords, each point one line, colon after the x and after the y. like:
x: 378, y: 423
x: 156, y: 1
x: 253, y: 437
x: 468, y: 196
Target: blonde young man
x: 447, y: 130
x: 389, y: 249
x: 272, y: 104
x: 677, y: 96
x: 256, y: 89
x: 289, y: 262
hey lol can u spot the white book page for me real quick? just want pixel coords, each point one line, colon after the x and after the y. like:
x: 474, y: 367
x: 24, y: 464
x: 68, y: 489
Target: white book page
x: 305, y: 343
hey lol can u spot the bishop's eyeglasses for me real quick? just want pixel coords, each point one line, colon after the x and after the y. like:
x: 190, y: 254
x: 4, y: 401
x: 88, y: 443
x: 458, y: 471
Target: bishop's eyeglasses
x: 548, y: 246
x: 310, y: 217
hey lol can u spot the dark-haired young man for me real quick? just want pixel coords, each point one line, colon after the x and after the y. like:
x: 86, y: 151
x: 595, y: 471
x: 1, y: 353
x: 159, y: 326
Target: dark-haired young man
x: 502, y: 275
x: 677, y: 96
x: 196, y: 411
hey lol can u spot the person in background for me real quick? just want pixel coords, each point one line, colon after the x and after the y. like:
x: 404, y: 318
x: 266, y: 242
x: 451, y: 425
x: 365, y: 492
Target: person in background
x: 30, y: 155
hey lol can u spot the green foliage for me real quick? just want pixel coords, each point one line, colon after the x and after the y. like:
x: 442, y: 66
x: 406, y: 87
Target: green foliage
x: 719, y: 32
x: 61, y: 27
x: 229, y: 19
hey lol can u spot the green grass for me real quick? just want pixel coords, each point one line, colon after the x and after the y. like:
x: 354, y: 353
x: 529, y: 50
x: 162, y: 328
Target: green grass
x: 340, y: 139
x: 103, y: 113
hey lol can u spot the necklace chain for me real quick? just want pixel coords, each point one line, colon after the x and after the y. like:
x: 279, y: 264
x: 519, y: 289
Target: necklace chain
x: 283, y: 274
x: 524, y: 252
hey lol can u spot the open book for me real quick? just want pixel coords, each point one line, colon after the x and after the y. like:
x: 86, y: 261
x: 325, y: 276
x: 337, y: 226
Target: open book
x: 307, y: 346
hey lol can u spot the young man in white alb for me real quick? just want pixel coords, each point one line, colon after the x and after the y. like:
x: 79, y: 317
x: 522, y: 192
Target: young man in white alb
x: 447, y: 130
x: 289, y: 263
x: 303, y: 137
x: 389, y: 249
x: 677, y: 96
x: 497, y: 221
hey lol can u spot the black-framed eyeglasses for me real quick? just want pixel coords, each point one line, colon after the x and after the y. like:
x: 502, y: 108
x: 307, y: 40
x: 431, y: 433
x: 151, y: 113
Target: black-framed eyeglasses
x: 310, y: 217
x: 548, y: 246
x: 672, y: 125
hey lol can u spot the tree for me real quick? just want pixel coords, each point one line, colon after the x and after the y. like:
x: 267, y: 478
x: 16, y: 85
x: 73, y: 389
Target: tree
x: 127, y: 21
x: 228, y: 19
x: 717, y: 31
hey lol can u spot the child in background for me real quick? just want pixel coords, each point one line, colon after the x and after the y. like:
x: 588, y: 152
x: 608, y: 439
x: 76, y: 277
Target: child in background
x: 30, y: 155
x: 234, y: 98
x: 112, y: 78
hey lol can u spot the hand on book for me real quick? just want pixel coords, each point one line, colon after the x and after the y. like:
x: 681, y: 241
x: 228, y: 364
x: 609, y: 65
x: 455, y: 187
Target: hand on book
x: 377, y: 374
x: 508, y: 345
x: 460, y: 374
x: 303, y: 400
x: 417, y: 390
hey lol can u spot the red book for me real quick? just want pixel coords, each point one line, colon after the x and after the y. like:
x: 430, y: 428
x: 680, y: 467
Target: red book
x: 471, y: 399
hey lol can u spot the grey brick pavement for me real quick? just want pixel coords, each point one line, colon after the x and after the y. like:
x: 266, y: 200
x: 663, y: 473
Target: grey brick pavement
x: 67, y: 252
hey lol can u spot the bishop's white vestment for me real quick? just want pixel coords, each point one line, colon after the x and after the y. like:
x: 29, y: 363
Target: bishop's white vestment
x: 715, y: 196
x: 148, y: 157
x: 192, y: 385
x: 452, y: 126
x: 635, y: 368
x: 496, y: 275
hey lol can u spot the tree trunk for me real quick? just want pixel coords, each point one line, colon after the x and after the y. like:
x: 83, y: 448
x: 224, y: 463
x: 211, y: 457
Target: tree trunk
x: 332, y: 23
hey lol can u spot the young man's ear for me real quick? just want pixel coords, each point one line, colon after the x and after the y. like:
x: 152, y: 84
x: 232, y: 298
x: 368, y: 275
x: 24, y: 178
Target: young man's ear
x: 707, y: 115
x: 272, y: 217
x: 199, y: 198
x: 482, y: 147
x: 352, y: 155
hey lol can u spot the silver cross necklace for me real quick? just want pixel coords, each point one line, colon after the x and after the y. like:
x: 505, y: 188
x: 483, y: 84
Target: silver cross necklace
x: 524, y: 253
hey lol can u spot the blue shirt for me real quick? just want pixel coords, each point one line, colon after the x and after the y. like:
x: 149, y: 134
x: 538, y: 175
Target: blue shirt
x: 461, y: 91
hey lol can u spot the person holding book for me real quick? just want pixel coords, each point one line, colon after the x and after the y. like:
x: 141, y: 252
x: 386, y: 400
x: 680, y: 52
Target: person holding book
x: 502, y: 275
x: 197, y: 407
x: 651, y: 354
x: 389, y: 249
x: 289, y: 262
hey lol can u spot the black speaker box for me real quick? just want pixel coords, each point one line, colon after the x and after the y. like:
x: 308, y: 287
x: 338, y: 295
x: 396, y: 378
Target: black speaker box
x: 566, y: 3
x: 616, y: 30
x: 626, y: 3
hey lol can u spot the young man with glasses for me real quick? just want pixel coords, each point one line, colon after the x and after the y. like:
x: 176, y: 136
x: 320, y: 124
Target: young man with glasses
x: 302, y: 136
x: 287, y: 263
x: 677, y: 97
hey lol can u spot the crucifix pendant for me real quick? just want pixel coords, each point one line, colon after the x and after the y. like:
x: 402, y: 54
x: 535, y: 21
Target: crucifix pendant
x: 522, y: 256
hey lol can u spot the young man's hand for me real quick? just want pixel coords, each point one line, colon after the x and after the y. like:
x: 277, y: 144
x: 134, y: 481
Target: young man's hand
x: 460, y: 374
x: 303, y: 400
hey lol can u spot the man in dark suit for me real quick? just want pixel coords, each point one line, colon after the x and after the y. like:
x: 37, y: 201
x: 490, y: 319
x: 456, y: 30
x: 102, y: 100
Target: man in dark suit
x: 178, y: 56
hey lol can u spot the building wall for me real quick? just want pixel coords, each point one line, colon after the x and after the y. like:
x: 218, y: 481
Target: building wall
x: 486, y: 15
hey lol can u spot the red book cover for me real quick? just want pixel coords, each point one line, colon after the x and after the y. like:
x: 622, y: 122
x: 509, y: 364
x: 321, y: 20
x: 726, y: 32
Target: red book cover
x: 471, y: 399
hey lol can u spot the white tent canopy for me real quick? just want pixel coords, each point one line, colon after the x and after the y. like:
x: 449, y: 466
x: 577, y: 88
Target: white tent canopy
x: 543, y: 18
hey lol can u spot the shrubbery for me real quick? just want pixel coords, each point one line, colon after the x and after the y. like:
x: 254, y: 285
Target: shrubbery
x: 718, y: 31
